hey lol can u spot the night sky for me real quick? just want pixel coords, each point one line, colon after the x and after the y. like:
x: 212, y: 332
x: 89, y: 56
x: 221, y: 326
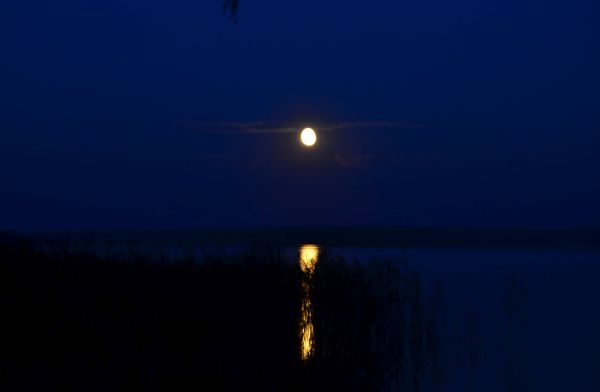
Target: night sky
x: 106, y: 109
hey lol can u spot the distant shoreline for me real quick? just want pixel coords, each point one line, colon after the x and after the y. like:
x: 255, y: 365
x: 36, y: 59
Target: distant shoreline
x: 367, y: 237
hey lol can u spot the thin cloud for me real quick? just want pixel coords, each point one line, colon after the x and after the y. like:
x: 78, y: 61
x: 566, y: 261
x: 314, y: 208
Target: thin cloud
x: 352, y: 160
x: 236, y: 127
x: 262, y: 127
x: 379, y: 124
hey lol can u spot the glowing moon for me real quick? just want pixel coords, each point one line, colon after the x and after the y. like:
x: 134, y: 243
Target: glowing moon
x: 308, y: 137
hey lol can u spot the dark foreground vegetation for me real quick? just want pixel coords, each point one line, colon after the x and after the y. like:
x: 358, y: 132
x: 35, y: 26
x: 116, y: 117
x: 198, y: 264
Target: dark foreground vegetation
x: 74, y: 320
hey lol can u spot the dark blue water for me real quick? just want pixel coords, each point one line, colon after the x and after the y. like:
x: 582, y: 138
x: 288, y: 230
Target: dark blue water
x: 513, y: 320
x: 521, y: 320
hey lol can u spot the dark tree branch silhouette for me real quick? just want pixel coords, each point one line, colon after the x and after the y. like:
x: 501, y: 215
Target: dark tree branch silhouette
x: 230, y: 7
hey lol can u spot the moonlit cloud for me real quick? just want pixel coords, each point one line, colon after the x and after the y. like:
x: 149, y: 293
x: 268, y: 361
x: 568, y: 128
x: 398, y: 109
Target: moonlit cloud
x: 263, y: 127
x: 352, y: 160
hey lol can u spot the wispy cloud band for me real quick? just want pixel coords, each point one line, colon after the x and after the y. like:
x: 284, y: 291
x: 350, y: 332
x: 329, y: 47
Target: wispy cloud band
x: 263, y: 127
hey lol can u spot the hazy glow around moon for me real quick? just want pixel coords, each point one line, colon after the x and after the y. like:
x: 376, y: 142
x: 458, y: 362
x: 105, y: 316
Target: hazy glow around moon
x: 308, y: 137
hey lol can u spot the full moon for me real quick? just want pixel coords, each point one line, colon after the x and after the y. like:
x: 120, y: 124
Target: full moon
x: 308, y: 137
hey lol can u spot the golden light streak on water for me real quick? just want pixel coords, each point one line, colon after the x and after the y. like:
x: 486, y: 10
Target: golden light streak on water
x: 309, y: 255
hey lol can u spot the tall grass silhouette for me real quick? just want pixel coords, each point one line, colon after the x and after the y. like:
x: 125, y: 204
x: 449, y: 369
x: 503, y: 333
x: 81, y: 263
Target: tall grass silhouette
x: 75, y: 320
x: 375, y: 329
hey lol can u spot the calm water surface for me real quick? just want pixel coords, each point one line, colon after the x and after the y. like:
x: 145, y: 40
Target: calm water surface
x: 513, y: 320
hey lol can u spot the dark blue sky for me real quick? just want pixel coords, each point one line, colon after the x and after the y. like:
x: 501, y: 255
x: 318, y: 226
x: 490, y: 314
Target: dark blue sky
x: 92, y: 95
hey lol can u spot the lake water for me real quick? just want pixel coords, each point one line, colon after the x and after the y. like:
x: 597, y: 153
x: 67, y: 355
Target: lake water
x: 513, y: 320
